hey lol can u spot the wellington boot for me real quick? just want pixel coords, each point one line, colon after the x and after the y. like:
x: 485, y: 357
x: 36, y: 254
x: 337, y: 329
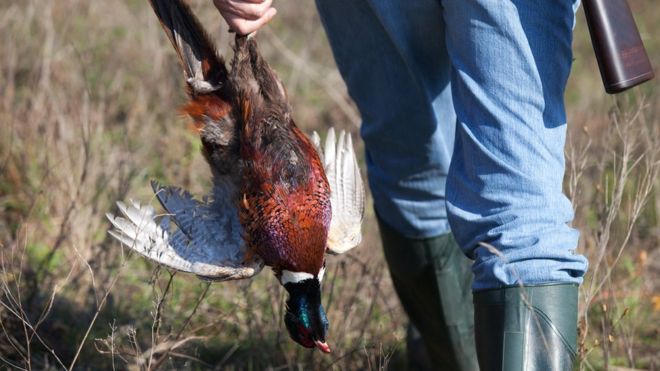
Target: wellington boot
x: 530, y: 328
x: 433, y: 280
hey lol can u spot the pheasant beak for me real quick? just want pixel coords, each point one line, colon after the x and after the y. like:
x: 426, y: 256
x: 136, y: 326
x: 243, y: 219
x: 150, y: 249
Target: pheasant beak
x: 323, y: 346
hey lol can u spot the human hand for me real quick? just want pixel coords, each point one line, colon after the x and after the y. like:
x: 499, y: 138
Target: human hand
x: 246, y: 16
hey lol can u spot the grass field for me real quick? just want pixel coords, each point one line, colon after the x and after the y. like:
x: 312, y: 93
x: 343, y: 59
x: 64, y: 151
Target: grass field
x: 88, y: 97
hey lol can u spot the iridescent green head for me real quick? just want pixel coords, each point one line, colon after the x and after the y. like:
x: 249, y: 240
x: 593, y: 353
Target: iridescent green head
x: 305, y: 318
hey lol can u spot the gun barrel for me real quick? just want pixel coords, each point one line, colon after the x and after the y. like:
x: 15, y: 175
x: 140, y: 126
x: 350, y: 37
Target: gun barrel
x: 621, y: 55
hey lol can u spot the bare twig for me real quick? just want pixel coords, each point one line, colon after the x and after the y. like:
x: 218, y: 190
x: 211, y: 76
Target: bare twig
x: 157, y: 318
x: 96, y: 314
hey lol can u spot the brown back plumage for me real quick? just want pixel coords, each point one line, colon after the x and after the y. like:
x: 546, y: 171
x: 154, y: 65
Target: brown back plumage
x: 244, y: 121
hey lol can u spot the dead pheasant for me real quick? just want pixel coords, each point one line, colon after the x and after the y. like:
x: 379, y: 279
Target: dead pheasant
x: 278, y: 199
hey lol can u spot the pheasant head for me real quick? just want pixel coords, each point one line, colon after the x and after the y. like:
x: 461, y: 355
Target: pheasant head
x: 305, y: 318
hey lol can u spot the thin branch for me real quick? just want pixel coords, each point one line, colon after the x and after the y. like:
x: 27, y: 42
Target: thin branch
x: 96, y: 314
x: 155, y: 326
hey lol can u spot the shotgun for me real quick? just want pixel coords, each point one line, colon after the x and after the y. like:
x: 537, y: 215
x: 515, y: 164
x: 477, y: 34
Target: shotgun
x: 621, y: 56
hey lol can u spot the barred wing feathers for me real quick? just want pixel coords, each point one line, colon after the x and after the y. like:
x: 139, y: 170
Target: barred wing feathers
x: 205, y: 238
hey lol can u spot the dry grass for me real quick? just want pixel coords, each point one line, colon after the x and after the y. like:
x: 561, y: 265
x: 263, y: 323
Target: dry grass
x: 88, y: 91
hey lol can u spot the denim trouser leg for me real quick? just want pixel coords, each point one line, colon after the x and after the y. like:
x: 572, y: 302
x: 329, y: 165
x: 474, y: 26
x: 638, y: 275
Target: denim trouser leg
x: 392, y: 56
x: 511, y: 61
x: 508, y: 63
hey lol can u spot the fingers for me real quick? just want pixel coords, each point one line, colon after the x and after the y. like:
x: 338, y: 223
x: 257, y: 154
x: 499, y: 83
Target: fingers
x: 244, y: 26
x: 246, y: 16
x: 248, y: 9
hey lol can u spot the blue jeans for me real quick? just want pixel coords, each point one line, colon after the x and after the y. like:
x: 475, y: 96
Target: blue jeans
x: 464, y: 125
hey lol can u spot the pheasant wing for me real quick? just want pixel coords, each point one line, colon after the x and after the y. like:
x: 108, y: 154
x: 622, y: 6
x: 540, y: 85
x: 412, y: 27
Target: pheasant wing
x: 205, y: 238
x: 347, y: 197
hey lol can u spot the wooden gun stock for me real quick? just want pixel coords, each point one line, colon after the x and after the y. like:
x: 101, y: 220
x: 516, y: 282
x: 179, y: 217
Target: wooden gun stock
x: 621, y: 56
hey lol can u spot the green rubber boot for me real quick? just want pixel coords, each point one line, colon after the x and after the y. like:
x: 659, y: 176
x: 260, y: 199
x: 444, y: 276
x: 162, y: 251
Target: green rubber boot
x: 433, y: 280
x: 531, y: 328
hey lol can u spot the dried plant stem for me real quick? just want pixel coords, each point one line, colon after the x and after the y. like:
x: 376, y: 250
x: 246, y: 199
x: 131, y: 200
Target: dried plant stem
x: 41, y: 340
x: 155, y: 326
x: 184, y: 326
x: 97, y: 312
x: 629, y: 176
